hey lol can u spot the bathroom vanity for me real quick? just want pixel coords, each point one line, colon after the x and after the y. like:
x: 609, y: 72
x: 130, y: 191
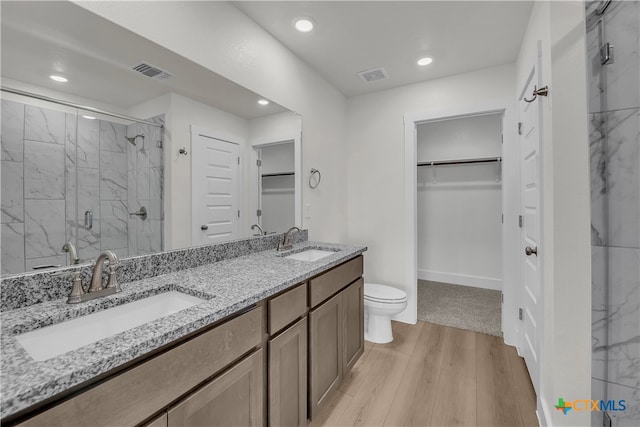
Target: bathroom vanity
x: 269, y: 344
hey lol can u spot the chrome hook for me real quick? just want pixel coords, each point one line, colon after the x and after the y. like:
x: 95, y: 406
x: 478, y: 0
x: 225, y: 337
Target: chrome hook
x: 543, y: 91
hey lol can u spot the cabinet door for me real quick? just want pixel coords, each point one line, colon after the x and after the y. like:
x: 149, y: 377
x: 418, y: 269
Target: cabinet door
x: 353, y: 301
x: 288, y: 377
x: 325, y: 351
x: 233, y: 399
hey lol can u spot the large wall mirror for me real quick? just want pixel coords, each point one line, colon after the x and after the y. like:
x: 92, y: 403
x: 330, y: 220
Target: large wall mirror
x: 139, y: 151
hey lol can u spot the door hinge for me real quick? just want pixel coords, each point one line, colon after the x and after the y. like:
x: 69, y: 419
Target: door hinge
x: 502, y: 218
x: 238, y: 160
x: 259, y: 212
x: 502, y: 298
x: 519, y: 128
x: 520, y: 314
x: 258, y: 162
x: 238, y: 213
x: 520, y: 221
x: 501, y: 139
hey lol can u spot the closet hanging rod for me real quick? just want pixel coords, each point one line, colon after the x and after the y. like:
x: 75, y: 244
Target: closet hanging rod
x: 278, y: 174
x: 461, y: 161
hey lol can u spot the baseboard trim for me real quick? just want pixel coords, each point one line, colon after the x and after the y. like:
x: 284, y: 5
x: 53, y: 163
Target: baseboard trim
x: 461, y: 279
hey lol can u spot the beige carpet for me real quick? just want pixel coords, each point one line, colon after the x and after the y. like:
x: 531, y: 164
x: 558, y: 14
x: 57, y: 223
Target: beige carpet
x: 462, y: 307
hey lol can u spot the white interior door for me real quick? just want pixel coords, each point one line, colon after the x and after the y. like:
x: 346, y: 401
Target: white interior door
x: 529, y: 130
x: 215, y: 189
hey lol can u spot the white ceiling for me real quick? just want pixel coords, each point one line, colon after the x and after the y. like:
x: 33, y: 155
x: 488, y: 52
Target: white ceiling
x: 43, y: 38
x: 353, y: 36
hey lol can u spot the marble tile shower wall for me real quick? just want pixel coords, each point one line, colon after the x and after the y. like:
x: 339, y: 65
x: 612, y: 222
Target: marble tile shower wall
x: 55, y: 167
x: 145, y: 177
x: 614, y: 117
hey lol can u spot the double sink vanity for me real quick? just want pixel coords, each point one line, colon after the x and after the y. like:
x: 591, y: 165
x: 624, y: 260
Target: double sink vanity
x: 230, y: 334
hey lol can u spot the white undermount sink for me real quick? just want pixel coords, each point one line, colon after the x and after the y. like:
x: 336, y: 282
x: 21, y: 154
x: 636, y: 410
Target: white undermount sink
x: 54, y: 340
x: 310, y: 255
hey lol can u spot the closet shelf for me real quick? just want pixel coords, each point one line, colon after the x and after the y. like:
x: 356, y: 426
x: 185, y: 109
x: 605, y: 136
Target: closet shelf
x: 461, y: 161
x: 267, y: 175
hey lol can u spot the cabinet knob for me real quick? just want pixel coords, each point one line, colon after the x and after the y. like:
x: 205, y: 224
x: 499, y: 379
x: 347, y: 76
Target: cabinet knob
x: 204, y: 227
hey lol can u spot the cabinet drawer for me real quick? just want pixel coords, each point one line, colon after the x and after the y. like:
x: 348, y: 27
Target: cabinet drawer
x: 327, y: 284
x: 286, y: 308
x: 130, y: 397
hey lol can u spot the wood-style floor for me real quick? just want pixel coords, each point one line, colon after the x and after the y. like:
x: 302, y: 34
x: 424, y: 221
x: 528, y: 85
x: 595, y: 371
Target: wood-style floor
x: 433, y: 375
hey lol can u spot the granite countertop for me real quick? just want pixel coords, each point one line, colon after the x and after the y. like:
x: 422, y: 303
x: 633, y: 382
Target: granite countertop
x: 228, y: 286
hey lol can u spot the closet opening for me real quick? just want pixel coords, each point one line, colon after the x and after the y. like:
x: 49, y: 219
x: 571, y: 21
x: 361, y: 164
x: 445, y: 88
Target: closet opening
x: 459, y: 217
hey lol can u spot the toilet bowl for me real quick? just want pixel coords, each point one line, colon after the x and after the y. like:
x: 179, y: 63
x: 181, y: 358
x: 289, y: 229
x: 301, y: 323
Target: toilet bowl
x: 381, y: 302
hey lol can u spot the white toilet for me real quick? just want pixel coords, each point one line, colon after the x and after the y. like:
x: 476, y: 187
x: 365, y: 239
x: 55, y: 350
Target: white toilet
x: 381, y: 302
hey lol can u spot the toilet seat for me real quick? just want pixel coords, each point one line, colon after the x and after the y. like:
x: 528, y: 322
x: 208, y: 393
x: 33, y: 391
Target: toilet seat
x: 384, y: 294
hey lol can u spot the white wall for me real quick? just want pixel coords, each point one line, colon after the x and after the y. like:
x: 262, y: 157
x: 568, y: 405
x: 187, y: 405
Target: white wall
x: 219, y: 37
x: 376, y: 160
x: 459, y: 207
x: 565, y: 363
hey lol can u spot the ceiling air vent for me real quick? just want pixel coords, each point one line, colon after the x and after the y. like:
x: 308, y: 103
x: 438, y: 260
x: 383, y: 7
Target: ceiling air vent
x: 373, y: 75
x: 151, y: 71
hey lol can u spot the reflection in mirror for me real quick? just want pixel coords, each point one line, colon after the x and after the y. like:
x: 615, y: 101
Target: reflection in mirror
x: 114, y: 182
x: 277, y: 182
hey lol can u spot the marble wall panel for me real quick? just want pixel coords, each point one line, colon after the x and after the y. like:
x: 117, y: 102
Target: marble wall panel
x: 623, y: 178
x: 44, y: 125
x: 156, y: 182
x: 12, y: 131
x: 616, y: 85
x: 114, y: 216
x: 88, y: 139
x: 12, y: 247
x: 598, y: 176
x: 88, y: 193
x: 12, y: 196
x: 599, y: 320
x: 623, y: 359
x: 70, y: 168
x: 88, y: 240
x: 112, y: 137
x: 44, y: 170
x: 44, y: 228
x: 113, y: 176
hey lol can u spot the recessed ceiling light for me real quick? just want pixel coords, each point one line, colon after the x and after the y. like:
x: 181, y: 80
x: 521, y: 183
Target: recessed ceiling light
x: 304, y: 25
x: 263, y: 102
x: 424, y: 61
x: 89, y: 117
x: 59, y: 79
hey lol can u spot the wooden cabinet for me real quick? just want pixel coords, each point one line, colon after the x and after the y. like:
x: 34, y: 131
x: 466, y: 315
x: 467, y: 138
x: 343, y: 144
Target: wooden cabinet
x: 160, y: 421
x: 233, y: 399
x: 353, y: 302
x: 336, y: 330
x: 288, y: 376
x: 131, y: 397
x: 326, y: 331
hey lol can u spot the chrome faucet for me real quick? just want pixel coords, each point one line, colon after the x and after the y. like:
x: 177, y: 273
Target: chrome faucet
x: 73, y: 253
x: 286, y: 244
x: 96, y: 275
x: 254, y: 226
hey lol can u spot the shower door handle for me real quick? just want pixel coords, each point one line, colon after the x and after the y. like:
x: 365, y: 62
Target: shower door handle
x: 531, y: 251
x: 88, y: 220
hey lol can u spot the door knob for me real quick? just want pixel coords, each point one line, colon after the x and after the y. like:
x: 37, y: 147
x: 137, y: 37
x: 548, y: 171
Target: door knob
x: 204, y: 227
x: 529, y: 250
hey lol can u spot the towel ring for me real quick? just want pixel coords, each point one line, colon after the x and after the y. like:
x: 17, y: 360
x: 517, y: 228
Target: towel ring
x: 314, y: 172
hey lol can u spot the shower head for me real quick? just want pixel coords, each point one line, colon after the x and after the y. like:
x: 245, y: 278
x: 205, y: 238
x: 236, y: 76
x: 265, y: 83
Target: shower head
x: 132, y: 139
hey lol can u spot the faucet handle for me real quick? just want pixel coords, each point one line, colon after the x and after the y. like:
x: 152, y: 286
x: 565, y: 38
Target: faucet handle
x: 77, y: 290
